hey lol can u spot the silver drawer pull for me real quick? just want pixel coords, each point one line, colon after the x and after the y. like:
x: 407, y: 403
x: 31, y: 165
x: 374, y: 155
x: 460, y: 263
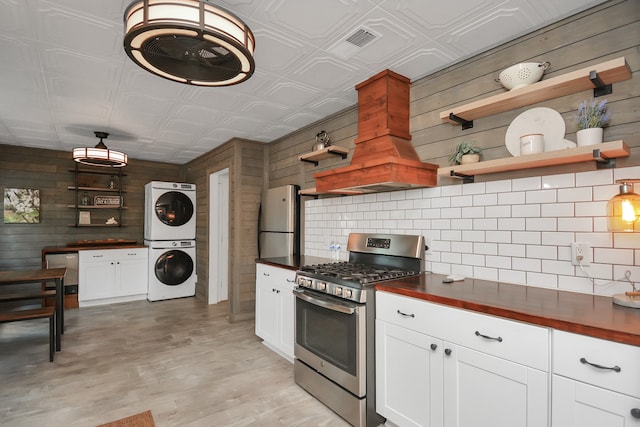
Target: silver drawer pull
x: 291, y: 281
x: 595, y: 365
x: 487, y: 337
x: 405, y: 314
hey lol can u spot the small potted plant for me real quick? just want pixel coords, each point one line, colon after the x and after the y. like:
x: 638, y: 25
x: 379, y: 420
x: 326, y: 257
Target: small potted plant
x: 465, y: 153
x: 592, y: 117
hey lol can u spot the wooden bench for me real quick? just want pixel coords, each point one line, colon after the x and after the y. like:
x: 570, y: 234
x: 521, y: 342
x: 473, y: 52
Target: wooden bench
x: 35, y: 313
x: 27, y: 295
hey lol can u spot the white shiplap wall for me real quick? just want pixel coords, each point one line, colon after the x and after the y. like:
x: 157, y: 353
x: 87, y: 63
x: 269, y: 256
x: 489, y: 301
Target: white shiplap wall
x: 515, y: 231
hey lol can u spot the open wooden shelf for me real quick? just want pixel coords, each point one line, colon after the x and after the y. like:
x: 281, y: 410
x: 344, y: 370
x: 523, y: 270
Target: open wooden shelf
x: 97, y: 207
x: 314, y: 192
x: 608, y: 72
x: 101, y: 189
x: 603, y: 153
x: 327, y: 152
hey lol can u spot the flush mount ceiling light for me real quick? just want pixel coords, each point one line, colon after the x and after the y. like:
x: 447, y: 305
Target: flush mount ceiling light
x: 189, y: 41
x: 623, y: 210
x: 100, y: 155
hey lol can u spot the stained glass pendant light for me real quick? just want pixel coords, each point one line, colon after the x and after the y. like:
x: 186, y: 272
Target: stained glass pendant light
x: 189, y: 41
x: 100, y: 155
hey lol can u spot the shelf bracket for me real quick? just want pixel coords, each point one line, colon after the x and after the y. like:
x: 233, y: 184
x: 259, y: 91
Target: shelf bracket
x: 315, y: 162
x: 466, y: 124
x: 599, y: 89
x: 603, y: 162
x: 466, y: 179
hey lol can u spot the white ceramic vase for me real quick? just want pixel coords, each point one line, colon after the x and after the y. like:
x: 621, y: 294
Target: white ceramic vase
x: 591, y: 136
x: 469, y: 158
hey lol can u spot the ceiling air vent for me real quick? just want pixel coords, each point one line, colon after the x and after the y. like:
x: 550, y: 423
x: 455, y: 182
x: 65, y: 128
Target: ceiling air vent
x: 348, y: 47
x: 361, y: 37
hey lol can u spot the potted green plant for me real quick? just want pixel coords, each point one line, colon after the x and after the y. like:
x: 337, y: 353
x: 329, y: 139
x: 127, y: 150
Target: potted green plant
x: 465, y: 153
x: 592, y: 118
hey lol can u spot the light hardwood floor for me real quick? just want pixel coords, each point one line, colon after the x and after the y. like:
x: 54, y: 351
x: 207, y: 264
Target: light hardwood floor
x: 179, y: 358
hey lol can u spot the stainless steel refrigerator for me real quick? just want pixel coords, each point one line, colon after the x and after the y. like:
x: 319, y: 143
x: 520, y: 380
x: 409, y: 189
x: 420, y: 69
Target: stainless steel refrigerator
x: 279, y: 229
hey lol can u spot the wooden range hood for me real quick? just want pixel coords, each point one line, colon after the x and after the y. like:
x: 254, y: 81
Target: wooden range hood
x: 384, y: 158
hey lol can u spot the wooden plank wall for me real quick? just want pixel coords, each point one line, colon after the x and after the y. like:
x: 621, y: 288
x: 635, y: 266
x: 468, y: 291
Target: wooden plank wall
x: 605, y: 32
x: 48, y: 171
x: 245, y: 161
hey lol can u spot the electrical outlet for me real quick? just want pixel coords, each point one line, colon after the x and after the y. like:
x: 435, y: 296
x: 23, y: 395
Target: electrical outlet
x: 581, y: 253
x: 427, y: 243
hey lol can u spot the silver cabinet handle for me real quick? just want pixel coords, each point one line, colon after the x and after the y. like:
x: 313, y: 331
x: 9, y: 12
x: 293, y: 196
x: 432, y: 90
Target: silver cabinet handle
x: 291, y: 281
x: 595, y: 365
x: 266, y: 274
x: 487, y: 337
x: 405, y: 314
x: 447, y: 351
x: 635, y: 412
x: 434, y: 346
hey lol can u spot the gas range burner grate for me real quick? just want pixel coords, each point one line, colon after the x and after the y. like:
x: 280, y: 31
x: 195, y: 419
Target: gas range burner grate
x: 358, y: 273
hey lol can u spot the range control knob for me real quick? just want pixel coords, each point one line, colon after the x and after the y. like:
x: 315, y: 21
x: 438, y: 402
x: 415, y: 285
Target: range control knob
x: 337, y: 291
x: 322, y: 286
x: 347, y: 293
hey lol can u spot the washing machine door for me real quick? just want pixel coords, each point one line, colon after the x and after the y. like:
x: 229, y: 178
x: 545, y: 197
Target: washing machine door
x: 174, y: 208
x: 174, y: 267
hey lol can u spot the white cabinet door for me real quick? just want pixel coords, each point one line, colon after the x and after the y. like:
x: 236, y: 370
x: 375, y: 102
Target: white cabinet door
x: 275, y: 308
x: 576, y: 404
x: 287, y: 317
x: 267, y: 307
x: 96, y: 280
x: 408, y: 376
x: 484, y: 390
x: 131, y: 272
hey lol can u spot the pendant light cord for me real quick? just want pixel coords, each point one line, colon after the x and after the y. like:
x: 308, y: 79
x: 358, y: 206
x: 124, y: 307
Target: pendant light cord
x: 625, y: 279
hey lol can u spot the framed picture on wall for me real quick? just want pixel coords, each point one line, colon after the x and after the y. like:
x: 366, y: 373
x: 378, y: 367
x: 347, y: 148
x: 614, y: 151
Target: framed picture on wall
x: 21, y: 206
x: 84, y: 217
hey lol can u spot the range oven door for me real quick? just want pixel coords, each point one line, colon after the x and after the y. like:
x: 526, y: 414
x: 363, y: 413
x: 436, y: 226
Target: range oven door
x: 330, y: 338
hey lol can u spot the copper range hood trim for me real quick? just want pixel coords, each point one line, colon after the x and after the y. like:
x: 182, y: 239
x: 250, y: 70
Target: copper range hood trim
x: 384, y: 158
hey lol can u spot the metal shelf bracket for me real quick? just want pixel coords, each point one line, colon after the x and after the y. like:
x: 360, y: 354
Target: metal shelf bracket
x: 466, y: 124
x: 599, y: 89
x: 315, y: 162
x: 603, y: 162
x: 466, y: 179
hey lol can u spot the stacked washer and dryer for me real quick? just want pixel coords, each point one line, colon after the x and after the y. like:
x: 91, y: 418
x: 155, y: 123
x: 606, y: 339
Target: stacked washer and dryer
x: 170, y: 233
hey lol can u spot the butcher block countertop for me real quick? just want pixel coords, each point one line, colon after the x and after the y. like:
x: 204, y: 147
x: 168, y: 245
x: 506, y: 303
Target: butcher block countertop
x: 585, y: 314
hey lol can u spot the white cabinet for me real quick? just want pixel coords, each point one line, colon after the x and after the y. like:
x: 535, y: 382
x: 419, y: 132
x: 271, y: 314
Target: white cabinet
x: 595, y: 382
x: 275, y: 308
x: 112, y: 275
x: 441, y: 366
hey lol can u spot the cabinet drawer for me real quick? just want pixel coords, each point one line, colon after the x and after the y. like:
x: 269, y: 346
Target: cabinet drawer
x: 571, y: 352
x: 410, y: 313
x: 275, y: 274
x: 508, y: 339
x: 112, y: 254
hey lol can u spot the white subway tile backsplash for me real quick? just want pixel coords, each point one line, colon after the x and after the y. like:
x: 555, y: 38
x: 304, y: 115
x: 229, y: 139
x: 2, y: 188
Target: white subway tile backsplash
x: 517, y: 224
x: 592, y: 178
x: 540, y: 196
x: 613, y: 256
x: 513, y: 230
x: 542, y: 252
x: 515, y: 198
x: 559, y: 181
x: 522, y: 184
x: 498, y: 186
x: 525, y: 211
x: 575, y: 194
x: 575, y: 224
x: 557, y: 209
x: 591, y: 208
x: 541, y: 224
x: 507, y: 249
x: 490, y: 199
x: 526, y: 264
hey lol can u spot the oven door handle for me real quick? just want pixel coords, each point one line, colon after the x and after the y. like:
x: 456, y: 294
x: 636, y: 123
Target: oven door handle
x: 299, y: 293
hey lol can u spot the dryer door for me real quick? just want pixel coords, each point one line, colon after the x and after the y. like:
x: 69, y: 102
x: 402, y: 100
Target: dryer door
x: 174, y: 267
x: 174, y: 208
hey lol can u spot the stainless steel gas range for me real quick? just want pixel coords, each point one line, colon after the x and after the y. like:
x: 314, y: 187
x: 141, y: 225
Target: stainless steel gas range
x: 335, y: 321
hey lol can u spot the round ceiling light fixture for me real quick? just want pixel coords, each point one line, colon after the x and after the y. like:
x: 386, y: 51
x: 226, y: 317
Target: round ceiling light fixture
x: 189, y: 41
x: 100, y: 155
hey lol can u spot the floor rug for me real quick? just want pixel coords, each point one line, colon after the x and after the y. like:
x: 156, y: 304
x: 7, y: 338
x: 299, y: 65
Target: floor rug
x: 143, y: 419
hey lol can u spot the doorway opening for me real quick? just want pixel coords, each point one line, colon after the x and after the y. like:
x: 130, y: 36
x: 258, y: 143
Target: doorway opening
x: 218, y: 236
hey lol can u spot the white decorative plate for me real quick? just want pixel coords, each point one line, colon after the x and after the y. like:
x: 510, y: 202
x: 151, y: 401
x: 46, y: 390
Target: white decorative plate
x: 546, y: 121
